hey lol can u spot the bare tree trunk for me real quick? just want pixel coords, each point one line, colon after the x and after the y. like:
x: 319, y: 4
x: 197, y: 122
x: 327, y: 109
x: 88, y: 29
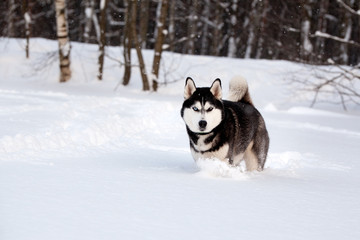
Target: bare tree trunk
x: 159, y: 44
x: 89, y: 14
x: 102, y: 43
x: 232, y: 46
x: 97, y: 27
x: 144, y: 21
x: 63, y: 39
x: 306, y: 47
x: 347, y: 29
x: 192, y: 27
x: 277, y: 50
x: 127, y: 43
x: 263, y: 20
x: 10, y: 18
x: 144, y: 78
x: 321, y: 26
x: 172, y: 24
x: 27, y: 18
x: 205, y: 30
x: 252, y: 28
x: 217, y: 30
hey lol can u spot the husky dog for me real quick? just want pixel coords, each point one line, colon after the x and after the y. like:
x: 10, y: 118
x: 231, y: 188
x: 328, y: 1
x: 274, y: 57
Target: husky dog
x: 230, y: 131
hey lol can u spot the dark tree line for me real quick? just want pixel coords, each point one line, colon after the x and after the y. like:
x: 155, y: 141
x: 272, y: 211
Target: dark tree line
x: 301, y: 30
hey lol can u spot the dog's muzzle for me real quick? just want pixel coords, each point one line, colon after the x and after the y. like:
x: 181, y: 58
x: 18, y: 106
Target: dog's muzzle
x: 202, y: 125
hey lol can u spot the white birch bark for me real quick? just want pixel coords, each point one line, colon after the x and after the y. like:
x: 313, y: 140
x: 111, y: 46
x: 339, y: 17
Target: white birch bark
x: 89, y: 14
x: 159, y: 43
x: 63, y: 39
x: 27, y: 19
x: 306, y: 47
x: 102, y: 41
x: 347, y: 23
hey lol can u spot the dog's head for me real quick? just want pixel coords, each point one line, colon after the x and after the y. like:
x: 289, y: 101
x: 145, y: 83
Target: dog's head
x: 202, y: 109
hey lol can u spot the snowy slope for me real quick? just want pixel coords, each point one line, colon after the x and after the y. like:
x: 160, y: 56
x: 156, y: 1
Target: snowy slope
x: 82, y: 161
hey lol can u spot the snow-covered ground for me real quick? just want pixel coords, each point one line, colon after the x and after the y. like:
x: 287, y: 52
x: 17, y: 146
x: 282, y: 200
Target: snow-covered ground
x: 82, y: 161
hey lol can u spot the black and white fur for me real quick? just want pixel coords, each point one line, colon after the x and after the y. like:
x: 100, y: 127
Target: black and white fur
x: 230, y: 131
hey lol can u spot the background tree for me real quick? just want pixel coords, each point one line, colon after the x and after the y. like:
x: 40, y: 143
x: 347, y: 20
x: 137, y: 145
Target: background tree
x: 11, y: 15
x: 306, y: 46
x: 136, y: 42
x: 144, y: 21
x: 27, y: 19
x: 127, y: 43
x: 89, y: 17
x: 63, y: 39
x: 130, y: 40
x: 233, y: 30
x: 102, y: 43
x: 161, y: 32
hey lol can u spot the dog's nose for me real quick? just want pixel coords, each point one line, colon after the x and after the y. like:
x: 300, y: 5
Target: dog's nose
x: 202, y: 124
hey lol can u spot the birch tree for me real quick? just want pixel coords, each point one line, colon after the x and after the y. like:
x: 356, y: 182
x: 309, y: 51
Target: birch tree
x: 27, y: 19
x: 306, y: 47
x: 63, y: 40
x: 321, y: 27
x: 89, y: 14
x: 346, y: 33
x: 127, y: 43
x: 159, y: 43
x: 102, y: 43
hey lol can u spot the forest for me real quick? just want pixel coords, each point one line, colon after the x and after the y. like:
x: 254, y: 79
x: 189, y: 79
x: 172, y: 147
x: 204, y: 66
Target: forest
x: 324, y: 32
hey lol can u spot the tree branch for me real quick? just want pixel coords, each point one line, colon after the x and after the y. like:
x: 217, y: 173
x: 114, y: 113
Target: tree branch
x: 342, y: 40
x: 348, y: 8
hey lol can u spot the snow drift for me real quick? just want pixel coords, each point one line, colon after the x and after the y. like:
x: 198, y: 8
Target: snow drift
x: 82, y: 161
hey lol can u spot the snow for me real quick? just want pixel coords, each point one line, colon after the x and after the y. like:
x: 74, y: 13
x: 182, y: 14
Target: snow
x: 79, y: 160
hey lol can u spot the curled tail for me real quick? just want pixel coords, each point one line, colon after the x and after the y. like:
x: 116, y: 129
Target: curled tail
x: 239, y: 91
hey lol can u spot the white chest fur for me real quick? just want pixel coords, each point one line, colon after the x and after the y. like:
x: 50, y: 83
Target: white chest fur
x: 201, y: 145
x: 201, y: 148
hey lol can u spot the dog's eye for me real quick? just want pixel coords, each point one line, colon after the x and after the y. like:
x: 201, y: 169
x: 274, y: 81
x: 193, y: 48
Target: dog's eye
x: 209, y: 109
x: 195, y: 109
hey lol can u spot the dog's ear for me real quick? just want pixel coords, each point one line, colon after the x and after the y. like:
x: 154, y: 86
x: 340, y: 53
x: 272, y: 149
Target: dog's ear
x: 189, y: 88
x: 215, y: 89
